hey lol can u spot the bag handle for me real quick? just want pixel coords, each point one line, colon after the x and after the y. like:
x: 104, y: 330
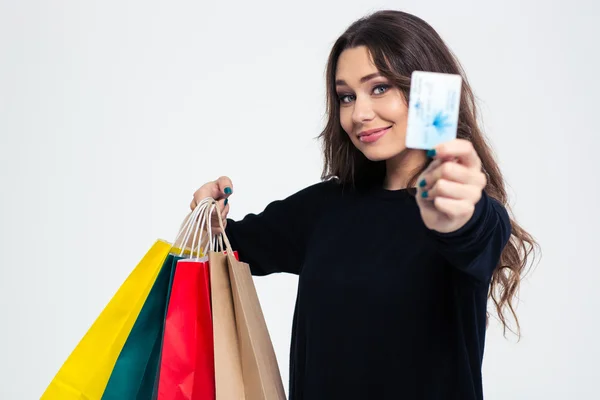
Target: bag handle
x: 223, y: 236
x: 195, y: 223
x: 200, y: 220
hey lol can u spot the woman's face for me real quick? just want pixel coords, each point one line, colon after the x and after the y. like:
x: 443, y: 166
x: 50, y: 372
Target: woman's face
x: 372, y: 112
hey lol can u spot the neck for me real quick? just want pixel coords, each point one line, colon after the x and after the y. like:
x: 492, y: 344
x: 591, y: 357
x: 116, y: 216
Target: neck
x: 401, y: 168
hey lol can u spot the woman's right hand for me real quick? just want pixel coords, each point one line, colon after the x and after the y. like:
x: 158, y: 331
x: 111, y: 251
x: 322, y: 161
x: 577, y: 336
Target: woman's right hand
x: 220, y: 190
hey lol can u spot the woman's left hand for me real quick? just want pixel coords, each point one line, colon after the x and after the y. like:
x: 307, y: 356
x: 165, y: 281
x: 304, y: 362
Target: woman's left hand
x: 449, y: 188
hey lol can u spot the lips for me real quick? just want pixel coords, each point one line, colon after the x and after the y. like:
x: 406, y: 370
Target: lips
x: 372, y: 135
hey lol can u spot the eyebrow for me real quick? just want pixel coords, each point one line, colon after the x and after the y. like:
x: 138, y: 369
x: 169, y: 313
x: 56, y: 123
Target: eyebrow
x: 341, y: 82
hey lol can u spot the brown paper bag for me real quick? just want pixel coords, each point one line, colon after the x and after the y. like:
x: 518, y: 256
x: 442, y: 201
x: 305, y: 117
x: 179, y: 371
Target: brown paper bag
x: 229, y: 382
x: 245, y: 363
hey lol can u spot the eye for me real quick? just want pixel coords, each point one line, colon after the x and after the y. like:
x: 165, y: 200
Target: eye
x: 346, y: 98
x: 380, y: 89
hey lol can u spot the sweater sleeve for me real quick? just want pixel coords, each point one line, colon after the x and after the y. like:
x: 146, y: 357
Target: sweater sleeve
x: 275, y: 240
x: 476, y: 247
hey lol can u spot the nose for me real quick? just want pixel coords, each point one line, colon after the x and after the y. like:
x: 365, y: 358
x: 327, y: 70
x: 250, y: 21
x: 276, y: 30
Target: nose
x: 363, y: 110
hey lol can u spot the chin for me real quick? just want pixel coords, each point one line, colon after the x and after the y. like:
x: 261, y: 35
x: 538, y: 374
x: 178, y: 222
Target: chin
x: 380, y: 153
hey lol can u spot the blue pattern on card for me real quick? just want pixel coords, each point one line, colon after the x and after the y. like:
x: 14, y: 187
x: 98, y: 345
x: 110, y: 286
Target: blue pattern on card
x: 441, y: 123
x: 434, y: 103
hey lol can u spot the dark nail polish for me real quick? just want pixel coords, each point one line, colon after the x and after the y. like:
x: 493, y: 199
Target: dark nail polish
x: 422, y: 183
x: 431, y: 153
x: 226, y: 201
x: 424, y: 194
x: 227, y: 190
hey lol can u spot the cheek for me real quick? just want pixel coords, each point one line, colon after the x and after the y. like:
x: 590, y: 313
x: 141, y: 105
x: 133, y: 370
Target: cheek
x: 346, y: 119
x: 395, y: 110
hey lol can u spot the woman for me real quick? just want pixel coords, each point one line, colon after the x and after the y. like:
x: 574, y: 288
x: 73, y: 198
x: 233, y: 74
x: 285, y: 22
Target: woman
x: 396, y: 249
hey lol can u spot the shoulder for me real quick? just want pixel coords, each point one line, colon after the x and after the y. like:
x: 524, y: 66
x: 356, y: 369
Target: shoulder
x: 311, y: 201
x: 320, y: 191
x: 498, y: 215
x: 497, y: 206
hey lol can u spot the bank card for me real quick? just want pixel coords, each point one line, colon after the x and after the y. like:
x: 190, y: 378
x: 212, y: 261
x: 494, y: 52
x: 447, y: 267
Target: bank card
x: 434, y: 102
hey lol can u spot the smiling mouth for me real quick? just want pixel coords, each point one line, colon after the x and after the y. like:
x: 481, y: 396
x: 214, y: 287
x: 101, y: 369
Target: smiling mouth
x: 373, y: 134
x: 372, y: 131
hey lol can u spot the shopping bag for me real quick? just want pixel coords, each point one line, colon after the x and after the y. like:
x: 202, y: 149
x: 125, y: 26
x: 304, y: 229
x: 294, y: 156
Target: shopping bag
x: 85, y: 373
x: 187, y: 366
x: 229, y: 383
x: 245, y: 362
x: 134, y: 374
x: 187, y: 361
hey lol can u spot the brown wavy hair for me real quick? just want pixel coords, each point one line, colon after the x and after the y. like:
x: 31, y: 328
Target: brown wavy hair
x: 399, y: 44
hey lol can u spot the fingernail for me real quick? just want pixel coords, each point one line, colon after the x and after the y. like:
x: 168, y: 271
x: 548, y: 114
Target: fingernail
x: 226, y: 201
x: 424, y: 194
x: 422, y: 183
x: 431, y: 153
x: 227, y: 190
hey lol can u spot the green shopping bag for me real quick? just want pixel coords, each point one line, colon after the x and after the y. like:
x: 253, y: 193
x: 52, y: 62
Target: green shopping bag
x: 83, y: 376
x: 135, y: 372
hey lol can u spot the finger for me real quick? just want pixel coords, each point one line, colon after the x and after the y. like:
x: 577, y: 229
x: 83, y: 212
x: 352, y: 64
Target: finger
x: 224, y: 187
x: 453, y: 190
x: 460, y: 149
x: 454, y: 208
x: 224, y: 209
x: 454, y: 172
x: 431, y: 167
x: 206, y: 191
x: 200, y: 196
x: 225, y: 212
x: 221, y: 210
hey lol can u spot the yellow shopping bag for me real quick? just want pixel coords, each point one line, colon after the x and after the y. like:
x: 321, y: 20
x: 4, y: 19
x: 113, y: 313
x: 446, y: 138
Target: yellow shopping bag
x: 86, y: 371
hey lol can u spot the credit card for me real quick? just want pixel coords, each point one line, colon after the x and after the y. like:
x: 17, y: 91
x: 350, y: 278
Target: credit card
x: 434, y: 102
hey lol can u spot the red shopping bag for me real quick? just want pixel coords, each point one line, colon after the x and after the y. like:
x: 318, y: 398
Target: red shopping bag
x: 187, y: 368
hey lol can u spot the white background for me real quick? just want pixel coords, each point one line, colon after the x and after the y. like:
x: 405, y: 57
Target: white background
x: 112, y: 113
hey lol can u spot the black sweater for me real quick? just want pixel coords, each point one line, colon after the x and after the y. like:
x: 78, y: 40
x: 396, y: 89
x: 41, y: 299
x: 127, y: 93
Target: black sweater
x: 386, y: 308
